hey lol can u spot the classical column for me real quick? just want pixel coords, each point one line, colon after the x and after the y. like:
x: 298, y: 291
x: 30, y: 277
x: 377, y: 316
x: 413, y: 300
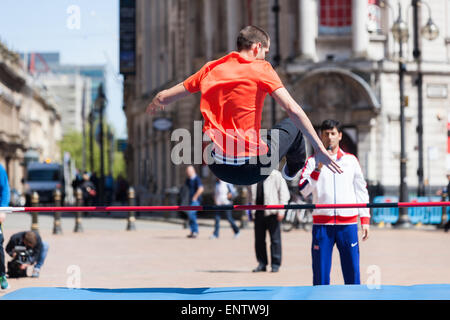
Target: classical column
x: 360, y: 36
x: 207, y: 6
x: 232, y: 24
x: 308, y: 27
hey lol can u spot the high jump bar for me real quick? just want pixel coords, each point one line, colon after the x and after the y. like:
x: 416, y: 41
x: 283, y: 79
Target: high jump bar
x: 227, y: 207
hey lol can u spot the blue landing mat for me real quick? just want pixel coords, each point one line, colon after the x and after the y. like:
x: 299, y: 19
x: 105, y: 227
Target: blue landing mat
x: 333, y: 292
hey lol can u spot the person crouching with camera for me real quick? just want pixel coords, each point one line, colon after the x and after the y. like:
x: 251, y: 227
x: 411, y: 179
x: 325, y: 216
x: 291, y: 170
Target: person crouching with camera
x: 27, y: 249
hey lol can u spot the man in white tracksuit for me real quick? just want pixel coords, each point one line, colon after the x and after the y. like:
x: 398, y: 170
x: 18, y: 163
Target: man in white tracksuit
x: 338, y: 226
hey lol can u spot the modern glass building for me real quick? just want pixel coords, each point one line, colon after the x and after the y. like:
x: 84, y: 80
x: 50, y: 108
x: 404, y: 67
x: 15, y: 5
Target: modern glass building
x: 44, y: 62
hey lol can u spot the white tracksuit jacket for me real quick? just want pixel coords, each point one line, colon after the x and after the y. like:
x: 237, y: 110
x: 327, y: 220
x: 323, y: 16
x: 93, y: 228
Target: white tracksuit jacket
x: 329, y: 188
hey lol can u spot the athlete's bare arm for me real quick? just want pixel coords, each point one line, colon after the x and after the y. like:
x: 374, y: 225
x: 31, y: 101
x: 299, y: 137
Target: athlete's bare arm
x: 166, y: 97
x: 301, y: 120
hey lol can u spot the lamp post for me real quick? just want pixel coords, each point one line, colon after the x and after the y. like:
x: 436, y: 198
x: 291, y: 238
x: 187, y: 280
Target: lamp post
x: 276, y: 57
x: 91, y: 140
x: 110, y: 139
x: 100, y: 105
x: 430, y: 32
x: 83, y: 126
x: 401, y: 34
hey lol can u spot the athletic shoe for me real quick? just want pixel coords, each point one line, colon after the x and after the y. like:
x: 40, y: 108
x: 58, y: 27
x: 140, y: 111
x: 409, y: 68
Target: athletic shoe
x: 35, y: 273
x: 212, y: 237
x: 4, y: 283
x: 236, y: 235
x: 285, y: 175
x: 193, y: 235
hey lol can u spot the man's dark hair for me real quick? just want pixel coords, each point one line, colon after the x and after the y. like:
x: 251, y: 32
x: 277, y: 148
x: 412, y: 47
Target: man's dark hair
x: 330, y: 124
x: 30, y: 238
x: 250, y: 35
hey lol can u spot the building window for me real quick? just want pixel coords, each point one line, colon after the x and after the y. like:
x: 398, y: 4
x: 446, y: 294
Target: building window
x: 448, y: 145
x: 374, y: 19
x: 335, y: 17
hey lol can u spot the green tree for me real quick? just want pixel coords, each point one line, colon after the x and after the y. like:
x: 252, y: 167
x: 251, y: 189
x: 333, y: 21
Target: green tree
x: 72, y: 142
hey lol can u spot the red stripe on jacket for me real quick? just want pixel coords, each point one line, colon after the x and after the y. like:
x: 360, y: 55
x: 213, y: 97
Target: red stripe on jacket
x: 339, y: 220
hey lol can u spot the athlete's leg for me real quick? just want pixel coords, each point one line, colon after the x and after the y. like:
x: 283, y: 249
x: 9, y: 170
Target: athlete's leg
x: 244, y: 175
x: 285, y: 139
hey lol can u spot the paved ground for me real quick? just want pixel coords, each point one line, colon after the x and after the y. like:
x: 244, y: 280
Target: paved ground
x: 158, y: 254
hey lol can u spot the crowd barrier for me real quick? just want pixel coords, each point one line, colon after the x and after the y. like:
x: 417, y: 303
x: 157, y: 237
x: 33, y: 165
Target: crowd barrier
x: 416, y: 215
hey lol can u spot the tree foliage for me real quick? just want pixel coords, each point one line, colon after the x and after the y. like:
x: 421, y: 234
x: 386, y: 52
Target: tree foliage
x: 72, y: 142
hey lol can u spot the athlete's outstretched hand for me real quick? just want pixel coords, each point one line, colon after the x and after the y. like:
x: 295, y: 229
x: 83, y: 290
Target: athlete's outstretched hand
x: 155, y: 105
x: 324, y: 158
x: 166, y: 97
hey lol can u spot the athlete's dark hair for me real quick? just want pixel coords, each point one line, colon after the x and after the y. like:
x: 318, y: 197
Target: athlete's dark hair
x: 330, y: 124
x: 250, y: 35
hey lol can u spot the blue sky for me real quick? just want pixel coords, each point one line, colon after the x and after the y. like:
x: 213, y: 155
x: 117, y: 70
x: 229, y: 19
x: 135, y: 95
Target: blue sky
x: 46, y: 25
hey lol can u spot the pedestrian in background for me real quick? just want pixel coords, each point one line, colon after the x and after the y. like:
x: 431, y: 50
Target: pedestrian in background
x: 109, y: 189
x: 4, y: 202
x: 338, y: 226
x: 96, y: 182
x: 76, y: 183
x: 195, y: 186
x: 88, y: 189
x: 273, y: 190
x: 122, y: 190
x: 447, y: 224
x: 224, y: 193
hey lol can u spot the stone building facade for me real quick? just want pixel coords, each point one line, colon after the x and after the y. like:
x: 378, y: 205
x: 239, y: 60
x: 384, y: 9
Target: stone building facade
x: 30, y: 124
x: 338, y: 58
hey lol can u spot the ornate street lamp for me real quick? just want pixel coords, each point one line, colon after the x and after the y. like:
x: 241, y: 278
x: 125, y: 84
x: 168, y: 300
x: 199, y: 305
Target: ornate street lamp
x: 400, y: 33
x: 400, y: 29
x: 430, y: 32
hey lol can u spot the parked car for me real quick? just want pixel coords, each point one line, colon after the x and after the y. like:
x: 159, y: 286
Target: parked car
x: 44, y: 178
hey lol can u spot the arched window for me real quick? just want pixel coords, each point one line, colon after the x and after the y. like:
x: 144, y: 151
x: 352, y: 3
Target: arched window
x: 335, y: 16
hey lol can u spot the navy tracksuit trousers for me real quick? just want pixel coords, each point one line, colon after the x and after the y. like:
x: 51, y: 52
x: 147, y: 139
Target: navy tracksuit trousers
x: 323, y: 239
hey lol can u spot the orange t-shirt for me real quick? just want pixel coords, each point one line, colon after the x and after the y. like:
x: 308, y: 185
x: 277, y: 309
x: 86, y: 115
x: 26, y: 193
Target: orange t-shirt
x: 233, y: 91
